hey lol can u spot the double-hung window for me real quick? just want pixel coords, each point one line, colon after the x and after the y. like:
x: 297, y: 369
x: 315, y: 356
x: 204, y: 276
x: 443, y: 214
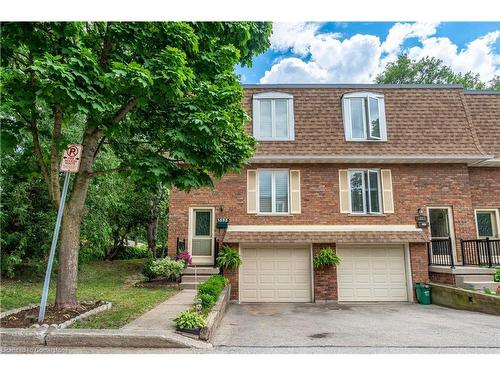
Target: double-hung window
x: 364, y: 187
x: 273, y: 191
x: 273, y: 117
x: 364, y: 117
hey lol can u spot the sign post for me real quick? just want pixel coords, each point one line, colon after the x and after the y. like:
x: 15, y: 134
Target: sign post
x: 70, y: 163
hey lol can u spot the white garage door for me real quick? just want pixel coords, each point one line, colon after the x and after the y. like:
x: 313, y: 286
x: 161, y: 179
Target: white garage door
x: 275, y: 274
x: 372, y: 273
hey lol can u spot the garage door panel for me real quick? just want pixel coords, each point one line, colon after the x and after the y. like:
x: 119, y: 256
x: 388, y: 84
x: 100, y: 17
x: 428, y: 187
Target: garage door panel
x: 372, y: 273
x: 280, y: 275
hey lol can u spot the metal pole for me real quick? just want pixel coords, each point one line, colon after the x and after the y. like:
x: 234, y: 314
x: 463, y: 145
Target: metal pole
x: 55, y: 236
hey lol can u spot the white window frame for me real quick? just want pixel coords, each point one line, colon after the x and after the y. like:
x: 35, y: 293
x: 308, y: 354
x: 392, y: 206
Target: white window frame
x: 256, y: 116
x: 497, y: 219
x: 273, y: 191
x: 346, y: 110
x: 350, y: 172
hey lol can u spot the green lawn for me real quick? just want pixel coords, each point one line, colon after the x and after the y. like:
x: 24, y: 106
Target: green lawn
x: 107, y: 281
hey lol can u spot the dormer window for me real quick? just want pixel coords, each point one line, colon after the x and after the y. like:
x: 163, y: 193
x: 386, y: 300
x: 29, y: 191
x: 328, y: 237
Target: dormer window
x: 273, y: 117
x: 364, y: 117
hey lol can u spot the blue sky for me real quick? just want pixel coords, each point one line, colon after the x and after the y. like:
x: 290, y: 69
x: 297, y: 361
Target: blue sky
x: 355, y: 52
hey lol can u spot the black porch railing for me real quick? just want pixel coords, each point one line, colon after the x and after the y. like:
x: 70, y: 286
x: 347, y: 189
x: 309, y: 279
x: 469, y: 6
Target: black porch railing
x: 440, y: 252
x: 482, y: 253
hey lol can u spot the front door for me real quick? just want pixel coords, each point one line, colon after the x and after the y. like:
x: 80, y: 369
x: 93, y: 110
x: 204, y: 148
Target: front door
x: 201, y: 244
x: 440, y: 228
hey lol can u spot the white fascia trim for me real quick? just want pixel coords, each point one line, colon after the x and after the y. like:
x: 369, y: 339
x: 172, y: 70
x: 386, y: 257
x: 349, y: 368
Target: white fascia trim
x: 493, y: 162
x: 469, y: 159
x: 323, y: 228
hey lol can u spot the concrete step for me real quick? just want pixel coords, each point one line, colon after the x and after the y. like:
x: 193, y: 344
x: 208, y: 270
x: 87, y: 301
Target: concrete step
x: 188, y: 285
x: 205, y: 270
x: 462, y: 280
x: 480, y: 285
x: 188, y: 278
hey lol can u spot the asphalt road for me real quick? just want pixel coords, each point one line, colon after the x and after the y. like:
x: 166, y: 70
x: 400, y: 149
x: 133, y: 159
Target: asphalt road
x: 356, y: 328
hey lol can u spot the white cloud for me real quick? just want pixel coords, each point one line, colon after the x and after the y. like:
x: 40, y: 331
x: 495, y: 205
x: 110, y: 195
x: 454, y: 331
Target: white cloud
x: 295, y: 70
x: 325, y: 57
x: 478, y: 56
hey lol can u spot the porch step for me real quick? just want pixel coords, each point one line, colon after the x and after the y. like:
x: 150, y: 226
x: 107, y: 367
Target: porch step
x: 480, y: 285
x: 205, y: 270
x: 188, y: 279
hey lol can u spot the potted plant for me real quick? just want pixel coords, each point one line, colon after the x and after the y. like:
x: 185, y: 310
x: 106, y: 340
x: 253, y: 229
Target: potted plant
x: 186, y: 257
x: 326, y: 258
x: 190, y: 321
x: 229, y: 259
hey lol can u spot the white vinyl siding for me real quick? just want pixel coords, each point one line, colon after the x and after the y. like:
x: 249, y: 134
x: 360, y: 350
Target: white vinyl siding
x: 364, y: 117
x: 273, y: 118
x: 273, y: 188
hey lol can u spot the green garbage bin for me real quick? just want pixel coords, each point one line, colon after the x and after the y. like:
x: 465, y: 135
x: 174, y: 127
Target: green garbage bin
x: 423, y: 293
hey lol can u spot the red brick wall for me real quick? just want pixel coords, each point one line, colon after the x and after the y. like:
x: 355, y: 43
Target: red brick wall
x: 443, y: 278
x: 325, y: 278
x: 419, y: 263
x: 485, y: 187
x: 414, y: 186
x: 233, y: 277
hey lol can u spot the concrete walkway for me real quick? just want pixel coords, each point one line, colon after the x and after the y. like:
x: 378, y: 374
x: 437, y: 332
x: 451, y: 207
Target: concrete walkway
x: 162, y: 316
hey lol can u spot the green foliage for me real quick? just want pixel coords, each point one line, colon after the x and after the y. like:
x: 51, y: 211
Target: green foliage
x: 190, y: 319
x: 325, y: 258
x: 134, y: 252
x: 161, y: 99
x: 430, y: 70
x: 166, y: 267
x: 228, y: 258
x: 496, y: 277
x: 207, y: 301
x: 213, y: 286
x: 147, y: 271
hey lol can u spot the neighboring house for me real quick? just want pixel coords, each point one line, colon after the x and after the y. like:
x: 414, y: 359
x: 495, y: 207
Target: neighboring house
x: 350, y: 167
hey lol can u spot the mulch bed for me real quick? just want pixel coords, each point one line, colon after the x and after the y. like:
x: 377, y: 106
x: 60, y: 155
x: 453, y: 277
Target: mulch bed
x: 26, y: 318
x: 157, y: 283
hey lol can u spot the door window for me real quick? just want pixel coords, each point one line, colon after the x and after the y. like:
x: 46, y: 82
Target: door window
x: 202, y: 236
x: 439, y: 224
x: 486, y: 224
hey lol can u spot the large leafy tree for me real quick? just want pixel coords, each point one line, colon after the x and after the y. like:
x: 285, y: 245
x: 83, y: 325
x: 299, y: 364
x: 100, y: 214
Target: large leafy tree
x: 163, y: 97
x: 430, y: 70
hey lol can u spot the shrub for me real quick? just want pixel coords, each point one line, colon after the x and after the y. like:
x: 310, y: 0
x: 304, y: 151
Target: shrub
x: 186, y: 257
x: 133, y: 252
x: 326, y: 257
x: 168, y: 268
x: 190, y: 319
x: 228, y: 258
x: 147, y: 270
x: 497, y: 275
x: 213, y: 286
x: 207, y: 301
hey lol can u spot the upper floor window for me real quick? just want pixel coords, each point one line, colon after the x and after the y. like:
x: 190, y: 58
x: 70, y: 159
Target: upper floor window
x: 273, y: 117
x: 364, y: 117
x: 273, y: 191
x: 365, y: 191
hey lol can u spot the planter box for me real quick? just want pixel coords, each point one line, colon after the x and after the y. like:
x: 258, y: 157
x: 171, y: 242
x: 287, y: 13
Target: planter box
x: 464, y: 299
x: 216, y: 315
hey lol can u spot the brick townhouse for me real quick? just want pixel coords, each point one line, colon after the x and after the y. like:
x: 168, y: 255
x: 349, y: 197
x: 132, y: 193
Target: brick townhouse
x: 403, y: 181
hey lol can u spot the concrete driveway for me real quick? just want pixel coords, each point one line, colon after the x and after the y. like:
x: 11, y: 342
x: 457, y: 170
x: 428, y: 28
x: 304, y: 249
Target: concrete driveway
x: 385, y: 327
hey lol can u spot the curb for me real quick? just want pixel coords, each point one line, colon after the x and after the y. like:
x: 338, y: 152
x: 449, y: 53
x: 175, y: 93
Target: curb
x: 216, y: 315
x: 23, y: 336
x: 119, y: 338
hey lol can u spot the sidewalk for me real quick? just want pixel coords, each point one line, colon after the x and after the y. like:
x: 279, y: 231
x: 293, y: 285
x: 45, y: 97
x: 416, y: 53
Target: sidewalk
x: 162, y: 317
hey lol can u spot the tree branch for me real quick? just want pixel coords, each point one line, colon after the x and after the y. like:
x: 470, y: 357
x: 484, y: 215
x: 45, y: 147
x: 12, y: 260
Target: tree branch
x: 107, y: 45
x: 39, y: 155
x: 126, y: 108
x: 107, y: 171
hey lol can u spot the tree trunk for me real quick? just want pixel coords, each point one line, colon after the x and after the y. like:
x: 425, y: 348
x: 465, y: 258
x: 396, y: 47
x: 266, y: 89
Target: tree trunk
x: 152, y: 226
x: 67, y: 274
